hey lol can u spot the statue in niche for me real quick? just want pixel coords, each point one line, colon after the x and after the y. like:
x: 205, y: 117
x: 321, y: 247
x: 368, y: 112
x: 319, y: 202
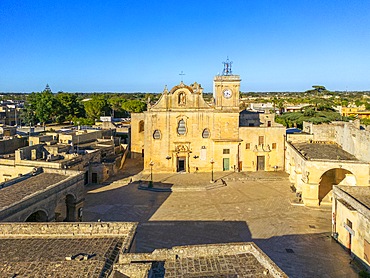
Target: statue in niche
x: 182, y: 99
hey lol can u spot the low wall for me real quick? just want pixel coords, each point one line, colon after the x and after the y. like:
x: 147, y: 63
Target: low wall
x: 60, y: 229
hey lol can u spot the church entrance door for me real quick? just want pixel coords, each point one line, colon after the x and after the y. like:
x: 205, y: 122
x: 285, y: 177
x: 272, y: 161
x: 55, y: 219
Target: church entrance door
x: 181, y: 164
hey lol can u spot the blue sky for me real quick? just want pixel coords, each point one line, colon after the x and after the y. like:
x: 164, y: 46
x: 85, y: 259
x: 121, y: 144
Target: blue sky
x: 130, y: 46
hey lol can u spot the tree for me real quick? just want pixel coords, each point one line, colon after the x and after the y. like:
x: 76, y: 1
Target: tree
x: 46, y: 106
x: 134, y: 106
x: 40, y: 107
x: 70, y: 106
x: 115, y: 103
x: 95, y: 107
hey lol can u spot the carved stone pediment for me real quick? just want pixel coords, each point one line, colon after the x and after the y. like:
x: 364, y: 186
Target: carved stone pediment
x: 182, y: 147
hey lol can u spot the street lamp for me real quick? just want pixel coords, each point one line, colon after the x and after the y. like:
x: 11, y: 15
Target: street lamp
x: 151, y: 163
x: 212, y: 162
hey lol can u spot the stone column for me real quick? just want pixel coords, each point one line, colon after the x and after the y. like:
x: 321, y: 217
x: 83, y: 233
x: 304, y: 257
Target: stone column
x: 310, y: 194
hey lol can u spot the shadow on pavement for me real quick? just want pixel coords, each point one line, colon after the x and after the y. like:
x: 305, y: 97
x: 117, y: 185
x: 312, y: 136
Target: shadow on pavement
x: 166, y: 234
x: 308, y: 255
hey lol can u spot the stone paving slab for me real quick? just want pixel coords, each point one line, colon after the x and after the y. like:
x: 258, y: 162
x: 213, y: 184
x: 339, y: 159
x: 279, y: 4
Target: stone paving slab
x: 252, y: 207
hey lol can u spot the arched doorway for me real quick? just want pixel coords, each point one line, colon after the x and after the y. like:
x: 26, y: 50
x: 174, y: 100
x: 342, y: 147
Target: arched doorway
x: 66, y: 209
x: 71, y: 208
x: 38, y: 216
x: 327, y: 180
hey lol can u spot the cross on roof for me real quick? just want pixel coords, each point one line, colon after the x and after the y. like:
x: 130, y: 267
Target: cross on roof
x: 182, y: 75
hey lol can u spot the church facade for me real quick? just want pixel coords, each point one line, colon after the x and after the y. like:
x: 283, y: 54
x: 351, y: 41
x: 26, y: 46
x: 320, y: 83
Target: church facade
x: 182, y: 132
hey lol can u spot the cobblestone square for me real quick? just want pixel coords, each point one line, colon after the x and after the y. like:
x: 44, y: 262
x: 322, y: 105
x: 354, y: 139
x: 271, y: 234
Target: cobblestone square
x: 251, y: 207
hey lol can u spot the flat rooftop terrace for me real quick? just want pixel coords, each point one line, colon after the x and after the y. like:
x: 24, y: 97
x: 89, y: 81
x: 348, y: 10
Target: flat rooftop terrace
x: 323, y: 151
x: 62, y: 249
x: 20, y: 190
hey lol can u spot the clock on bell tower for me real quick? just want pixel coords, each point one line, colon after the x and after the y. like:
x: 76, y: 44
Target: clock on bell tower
x: 226, y: 88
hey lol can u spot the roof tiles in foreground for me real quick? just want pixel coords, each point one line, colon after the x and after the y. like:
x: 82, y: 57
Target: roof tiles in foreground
x: 62, y: 249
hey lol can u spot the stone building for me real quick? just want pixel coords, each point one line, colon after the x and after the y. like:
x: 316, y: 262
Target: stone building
x: 326, y: 155
x: 95, y: 152
x: 182, y: 132
x: 351, y: 220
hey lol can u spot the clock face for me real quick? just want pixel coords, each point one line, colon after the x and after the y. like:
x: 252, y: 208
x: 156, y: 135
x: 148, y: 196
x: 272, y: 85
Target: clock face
x: 227, y: 93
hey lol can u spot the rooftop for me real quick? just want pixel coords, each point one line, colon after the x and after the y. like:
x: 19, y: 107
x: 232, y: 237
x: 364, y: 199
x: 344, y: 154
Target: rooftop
x: 323, y: 151
x: 360, y: 193
x: 243, y: 259
x: 62, y: 249
x: 16, y: 192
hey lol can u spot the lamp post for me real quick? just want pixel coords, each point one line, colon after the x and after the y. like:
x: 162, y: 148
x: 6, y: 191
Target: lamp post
x: 151, y: 163
x: 212, y: 162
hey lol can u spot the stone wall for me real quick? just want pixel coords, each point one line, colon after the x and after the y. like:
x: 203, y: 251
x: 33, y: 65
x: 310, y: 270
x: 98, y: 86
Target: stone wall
x: 299, y: 137
x: 60, y: 229
x: 9, y: 146
x: 8, y: 172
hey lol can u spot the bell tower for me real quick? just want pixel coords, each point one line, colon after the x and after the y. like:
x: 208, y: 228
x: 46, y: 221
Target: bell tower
x: 226, y: 88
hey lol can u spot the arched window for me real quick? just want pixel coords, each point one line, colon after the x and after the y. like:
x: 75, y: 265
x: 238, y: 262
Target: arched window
x: 156, y: 134
x: 205, y: 133
x: 181, y: 127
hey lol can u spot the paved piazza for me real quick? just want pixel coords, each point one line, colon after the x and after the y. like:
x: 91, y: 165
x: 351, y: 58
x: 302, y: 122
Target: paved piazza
x: 251, y: 207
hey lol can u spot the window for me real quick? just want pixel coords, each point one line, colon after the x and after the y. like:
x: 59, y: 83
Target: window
x: 156, y: 134
x: 349, y: 223
x: 248, y: 146
x: 181, y: 127
x: 274, y: 146
x: 205, y: 133
x: 141, y: 126
x: 226, y: 151
x: 268, y: 123
x: 261, y: 140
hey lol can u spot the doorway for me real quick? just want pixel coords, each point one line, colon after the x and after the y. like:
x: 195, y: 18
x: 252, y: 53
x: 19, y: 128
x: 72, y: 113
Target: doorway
x: 226, y: 164
x: 181, y: 164
x: 261, y: 163
x: 94, y: 178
